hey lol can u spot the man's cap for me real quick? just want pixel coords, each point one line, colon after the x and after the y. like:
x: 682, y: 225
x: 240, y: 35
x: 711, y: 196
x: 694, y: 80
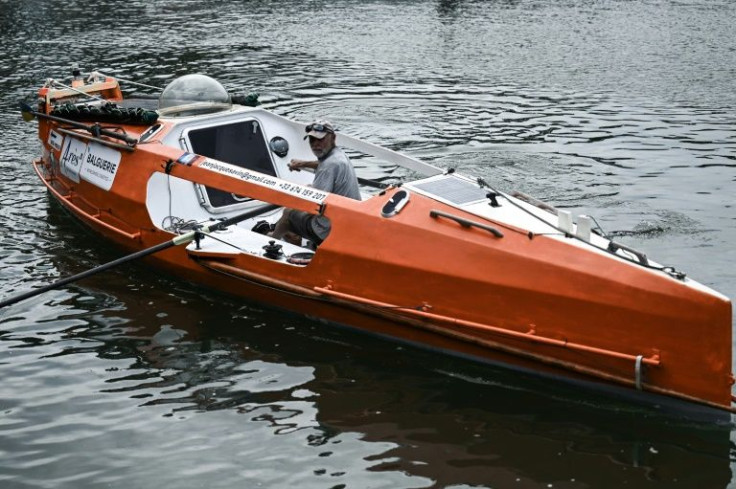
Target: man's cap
x: 319, y: 129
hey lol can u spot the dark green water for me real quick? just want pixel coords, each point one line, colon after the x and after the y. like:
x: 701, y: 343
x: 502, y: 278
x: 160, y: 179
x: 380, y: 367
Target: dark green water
x: 619, y: 109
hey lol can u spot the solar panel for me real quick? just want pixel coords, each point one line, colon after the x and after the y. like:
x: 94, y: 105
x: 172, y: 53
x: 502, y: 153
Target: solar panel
x: 453, y: 189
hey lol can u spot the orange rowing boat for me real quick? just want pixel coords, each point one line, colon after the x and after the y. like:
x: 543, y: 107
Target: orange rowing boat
x: 443, y: 260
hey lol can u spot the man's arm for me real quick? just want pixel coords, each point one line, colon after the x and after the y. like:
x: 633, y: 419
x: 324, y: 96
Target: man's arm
x: 298, y: 165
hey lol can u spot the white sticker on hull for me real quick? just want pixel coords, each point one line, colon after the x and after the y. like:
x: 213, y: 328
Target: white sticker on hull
x: 307, y: 193
x: 100, y: 165
x: 92, y: 162
x: 72, y: 156
x: 56, y: 140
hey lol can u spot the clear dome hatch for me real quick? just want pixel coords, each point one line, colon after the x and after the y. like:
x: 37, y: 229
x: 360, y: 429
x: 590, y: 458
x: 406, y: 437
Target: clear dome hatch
x: 193, y: 94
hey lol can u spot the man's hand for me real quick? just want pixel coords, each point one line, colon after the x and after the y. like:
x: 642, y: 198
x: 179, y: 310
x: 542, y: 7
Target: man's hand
x: 298, y: 165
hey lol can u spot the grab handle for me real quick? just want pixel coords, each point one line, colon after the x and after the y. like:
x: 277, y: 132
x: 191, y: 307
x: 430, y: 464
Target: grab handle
x: 466, y: 223
x: 613, y: 247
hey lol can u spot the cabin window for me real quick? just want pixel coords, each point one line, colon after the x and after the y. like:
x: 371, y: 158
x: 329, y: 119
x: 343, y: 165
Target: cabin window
x: 240, y: 143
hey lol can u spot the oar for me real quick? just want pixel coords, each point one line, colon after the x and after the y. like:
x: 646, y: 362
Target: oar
x: 179, y: 240
x: 28, y: 114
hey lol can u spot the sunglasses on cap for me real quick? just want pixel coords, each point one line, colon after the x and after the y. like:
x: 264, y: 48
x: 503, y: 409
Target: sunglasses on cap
x: 319, y: 128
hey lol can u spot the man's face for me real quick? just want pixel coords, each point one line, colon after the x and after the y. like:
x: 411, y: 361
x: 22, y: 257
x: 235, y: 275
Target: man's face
x: 321, y: 147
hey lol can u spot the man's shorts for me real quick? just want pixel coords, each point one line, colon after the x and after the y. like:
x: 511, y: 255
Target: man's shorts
x: 300, y: 222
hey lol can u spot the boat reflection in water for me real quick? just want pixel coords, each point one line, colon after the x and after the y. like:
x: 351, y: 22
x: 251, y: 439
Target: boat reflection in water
x: 446, y: 420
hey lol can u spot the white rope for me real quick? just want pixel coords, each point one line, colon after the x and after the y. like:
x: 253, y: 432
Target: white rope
x: 97, y: 73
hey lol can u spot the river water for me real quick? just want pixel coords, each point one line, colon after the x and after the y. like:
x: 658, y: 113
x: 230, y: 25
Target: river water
x: 619, y: 109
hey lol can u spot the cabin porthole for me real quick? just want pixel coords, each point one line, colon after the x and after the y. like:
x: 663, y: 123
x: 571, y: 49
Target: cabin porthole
x: 279, y: 146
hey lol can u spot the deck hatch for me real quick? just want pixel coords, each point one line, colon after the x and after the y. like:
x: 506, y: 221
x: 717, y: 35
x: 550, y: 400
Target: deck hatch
x: 452, y: 189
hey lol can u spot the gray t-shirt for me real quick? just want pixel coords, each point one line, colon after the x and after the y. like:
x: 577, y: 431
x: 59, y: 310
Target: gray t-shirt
x: 334, y: 174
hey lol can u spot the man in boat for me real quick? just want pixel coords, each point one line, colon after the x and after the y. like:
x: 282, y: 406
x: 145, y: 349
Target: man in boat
x: 333, y: 172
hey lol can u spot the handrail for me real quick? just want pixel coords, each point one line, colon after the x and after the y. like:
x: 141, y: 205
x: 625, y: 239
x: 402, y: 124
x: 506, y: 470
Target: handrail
x: 529, y: 336
x: 466, y: 223
x: 78, y: 210
x: 214, y: 264
x: 613, y: 247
